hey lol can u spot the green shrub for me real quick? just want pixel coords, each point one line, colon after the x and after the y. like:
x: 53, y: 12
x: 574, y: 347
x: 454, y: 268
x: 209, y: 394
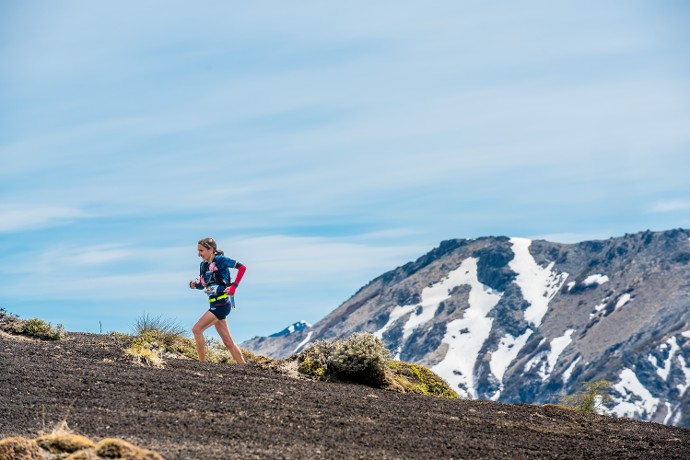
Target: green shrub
x: 418, y: 379
x: 32, y: 327
x: 314, y: 360
x: 42, y: 330
x: 360, y: 358
x: 593, y: 398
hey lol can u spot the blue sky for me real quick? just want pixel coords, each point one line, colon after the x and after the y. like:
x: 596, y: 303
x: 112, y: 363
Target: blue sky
x: 320, y: 144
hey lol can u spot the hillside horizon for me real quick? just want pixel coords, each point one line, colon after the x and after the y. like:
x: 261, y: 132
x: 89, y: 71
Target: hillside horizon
x: 191, y: 409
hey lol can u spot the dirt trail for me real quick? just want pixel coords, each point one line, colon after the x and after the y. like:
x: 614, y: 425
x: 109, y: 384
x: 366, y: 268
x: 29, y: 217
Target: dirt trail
x: 192, y: 410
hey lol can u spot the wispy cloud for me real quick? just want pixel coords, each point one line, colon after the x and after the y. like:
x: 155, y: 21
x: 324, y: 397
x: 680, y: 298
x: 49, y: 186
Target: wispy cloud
x: 29, y: 216
x: 282, y: 260
x: 670, y: 206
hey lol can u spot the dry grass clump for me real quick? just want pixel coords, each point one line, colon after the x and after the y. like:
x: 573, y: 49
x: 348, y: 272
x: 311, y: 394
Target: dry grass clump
x: 117, y: 448
x: 18, y: 448
x: 63, y: 444
x: 34, y: 327
x: 157, y: 337
x: 60, y: 443
x: 144, y: 355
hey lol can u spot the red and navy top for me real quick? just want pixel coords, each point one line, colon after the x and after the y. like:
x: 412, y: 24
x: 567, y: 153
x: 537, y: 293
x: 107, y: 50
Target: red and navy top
x: 215, y: 277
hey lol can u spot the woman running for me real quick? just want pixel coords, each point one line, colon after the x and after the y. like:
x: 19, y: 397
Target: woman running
x: 215, y: 280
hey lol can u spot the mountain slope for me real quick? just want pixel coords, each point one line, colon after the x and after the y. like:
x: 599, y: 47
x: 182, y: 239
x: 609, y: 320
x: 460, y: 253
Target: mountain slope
x: 193, y: 410
x: 515, y: 320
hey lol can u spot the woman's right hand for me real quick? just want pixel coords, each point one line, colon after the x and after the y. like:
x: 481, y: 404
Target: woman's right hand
x: 192, y: 284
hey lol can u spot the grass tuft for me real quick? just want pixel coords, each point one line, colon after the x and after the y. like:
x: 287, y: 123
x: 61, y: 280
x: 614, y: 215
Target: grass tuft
x: 144, y: 355
x: 163, y: 326
x: 157, y: 337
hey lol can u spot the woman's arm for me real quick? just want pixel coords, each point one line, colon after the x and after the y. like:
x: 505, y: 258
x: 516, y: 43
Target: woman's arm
x: 240, y: 273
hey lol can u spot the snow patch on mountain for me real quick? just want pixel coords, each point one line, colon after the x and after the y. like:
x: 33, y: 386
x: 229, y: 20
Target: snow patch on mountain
x: 682, y: 387
x: 545, y: 361
x: 508, y: 349
x: 303, y: 343
x: 568, y: 372
x: 466, y: 336
x: 635, y: 398
x: 294, y: 327
x: 595, y: 279
x: 622, y: 300
x: 557, y: 346
x: 598, y: 308
x: 432, y: 296
x: 538, y: 284
x: 664, y: 368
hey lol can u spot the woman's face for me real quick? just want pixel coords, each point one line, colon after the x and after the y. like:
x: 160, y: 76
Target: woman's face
x: 204, y: 252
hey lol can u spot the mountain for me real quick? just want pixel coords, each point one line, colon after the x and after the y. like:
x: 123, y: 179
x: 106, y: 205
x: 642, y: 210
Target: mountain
x: 528, y: 321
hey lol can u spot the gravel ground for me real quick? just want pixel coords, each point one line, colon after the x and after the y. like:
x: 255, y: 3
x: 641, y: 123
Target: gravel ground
x: 193, y: 410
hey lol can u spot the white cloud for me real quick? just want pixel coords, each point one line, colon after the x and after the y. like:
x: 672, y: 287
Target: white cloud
x: 18, y: 217
x: 670, y: 206
x: 281, y: 260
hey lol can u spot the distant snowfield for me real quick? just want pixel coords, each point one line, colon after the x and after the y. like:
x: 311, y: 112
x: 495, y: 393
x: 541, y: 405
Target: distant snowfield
x: 545, y: 361
x: 466, y: 336
x: 538, y: 284
x: 635, y: 397
x: 508, y: 349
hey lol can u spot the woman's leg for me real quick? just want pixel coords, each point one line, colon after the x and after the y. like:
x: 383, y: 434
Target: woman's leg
x: 204, y: 322
x: 224, y: 333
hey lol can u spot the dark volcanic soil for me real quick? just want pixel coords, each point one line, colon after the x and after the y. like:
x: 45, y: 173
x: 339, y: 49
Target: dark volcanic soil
x: 205, y: 411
